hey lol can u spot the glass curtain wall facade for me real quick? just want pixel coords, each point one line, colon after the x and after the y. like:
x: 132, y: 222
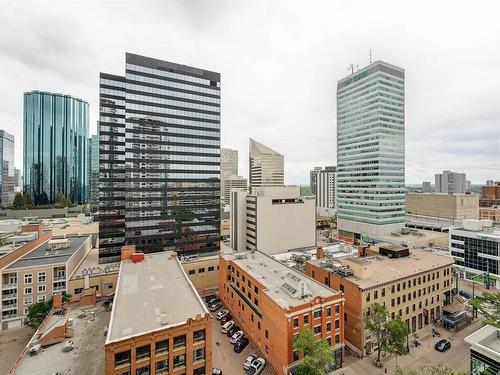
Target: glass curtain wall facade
x: 7, y: 177
x: 171, y: 155
x: 56, y: 130
x: 94, y: 171
x: 371, y: 151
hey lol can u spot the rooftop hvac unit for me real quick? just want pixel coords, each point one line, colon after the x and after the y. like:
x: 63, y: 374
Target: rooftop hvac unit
x: 240, y: 256
x: 344, y: 271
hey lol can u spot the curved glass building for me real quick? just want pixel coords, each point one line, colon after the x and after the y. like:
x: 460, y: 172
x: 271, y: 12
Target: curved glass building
x: 56, y: 129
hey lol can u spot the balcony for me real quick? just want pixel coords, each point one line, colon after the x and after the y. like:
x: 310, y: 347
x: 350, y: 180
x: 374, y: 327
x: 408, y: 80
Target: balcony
x: 9, y: 316
x: 10, y: 306
x: 6, y: 297
x: 59, y: 288
x: 59, y: 278
x: 9, y: 286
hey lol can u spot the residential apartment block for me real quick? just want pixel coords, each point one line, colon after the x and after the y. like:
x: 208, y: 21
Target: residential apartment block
x: 266, y: 166
x: 439, y: 211
x: 152, y: 330
x: 490, y: 194
x: 159, y: 134
x: 272, y: 303
x: 414, y: 285
x: 450, y: 182
x: 322, y: 183
x: 272, y: 219
x: 475, y: 246
x: 371, y: 151
x: 37, y: 270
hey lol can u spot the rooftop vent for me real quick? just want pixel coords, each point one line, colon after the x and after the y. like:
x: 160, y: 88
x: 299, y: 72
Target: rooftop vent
x: 344, y: 271
x: 295, y: 286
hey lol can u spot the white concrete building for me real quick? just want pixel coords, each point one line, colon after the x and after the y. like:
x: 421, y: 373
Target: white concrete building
x: 484, y: 350
x: 233, y: 182
x: 266, y: 166
x: 272, y: 219
x: 228, y: 168
x: 371, y: 151
x: 323, y: 186
x: 450, y: 183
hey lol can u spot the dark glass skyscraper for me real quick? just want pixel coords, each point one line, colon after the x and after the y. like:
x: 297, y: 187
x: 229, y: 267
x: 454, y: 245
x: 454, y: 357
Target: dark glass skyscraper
x: 56, y: 130
x: 7, y: 173
x: 159, y: 136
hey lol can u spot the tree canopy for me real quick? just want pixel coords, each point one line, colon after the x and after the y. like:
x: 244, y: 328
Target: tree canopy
x: 37, y: 313
x: 436, y: 369
x: 318, y: 355
x: 488, y: 305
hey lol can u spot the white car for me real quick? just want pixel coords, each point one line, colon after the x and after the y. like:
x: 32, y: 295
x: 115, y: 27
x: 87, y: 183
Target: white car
x: 227, y: 326
x: 248, y: 361
x: 256, y: 367
x: 221, y: 314
x: 236, y: 336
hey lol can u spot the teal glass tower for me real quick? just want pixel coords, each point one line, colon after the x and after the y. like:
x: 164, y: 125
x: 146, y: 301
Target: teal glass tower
x: 56, y: 147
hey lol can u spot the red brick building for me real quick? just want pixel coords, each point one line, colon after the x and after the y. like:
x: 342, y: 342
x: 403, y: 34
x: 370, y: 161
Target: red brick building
x: 272, y: 303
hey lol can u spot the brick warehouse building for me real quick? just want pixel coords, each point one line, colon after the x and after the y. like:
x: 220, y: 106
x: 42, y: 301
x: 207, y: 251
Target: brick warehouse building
x: 417, y: 286
x: 152, y: 331
x: 272, y: 303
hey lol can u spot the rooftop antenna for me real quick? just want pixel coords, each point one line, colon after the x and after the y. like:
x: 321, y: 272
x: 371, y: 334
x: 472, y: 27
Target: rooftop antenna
x: 352, y: 67
x: 370, y: 56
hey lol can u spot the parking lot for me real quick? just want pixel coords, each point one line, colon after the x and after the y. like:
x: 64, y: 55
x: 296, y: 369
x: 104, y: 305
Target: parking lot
x: 225, y: 358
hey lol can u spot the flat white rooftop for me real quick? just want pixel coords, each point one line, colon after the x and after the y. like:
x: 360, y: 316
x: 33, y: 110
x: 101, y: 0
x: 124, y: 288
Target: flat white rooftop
x: 151, y: 295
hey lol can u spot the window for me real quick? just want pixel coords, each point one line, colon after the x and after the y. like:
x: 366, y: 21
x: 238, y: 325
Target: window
x: 199, y: 336
x: 211, y: 268
x: 306, y: 319
x: 345, y: 317
x: 41, y: 288
x: 317, y: 329
x: 199, y: 354
x: 122, y: 358
x: 28, y: 300
x: 295, y: 322
x: 243, y: 278
x: 368, y: 297
x: 161, y: 347
x: 337, y: 308
x: 179, y: 341
x: 142, y: 352
x: 143, y: 370
x: 28, y: 278
x: 337, y: 338
x: 191, y: 272
x: 328, y: 326
x: 41, y: 277
x: 258, y: 325
x: 383, y: 292
x: 28, y: 290
x: 40, y: 298
x: 267, y: 334
x: 256, y: 301
x: 295, y: 355
x: 317, y: 314
x: 161, y: 367
x: 201, y: 270
x: 337, y: 323
x: 179, y: 360
x: 199, y: 371
x: 341, y: 288
x: 328, y: 311
x: 375, y: 294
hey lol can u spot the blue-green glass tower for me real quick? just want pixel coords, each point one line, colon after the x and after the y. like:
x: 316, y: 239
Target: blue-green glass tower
x: 56, y: 129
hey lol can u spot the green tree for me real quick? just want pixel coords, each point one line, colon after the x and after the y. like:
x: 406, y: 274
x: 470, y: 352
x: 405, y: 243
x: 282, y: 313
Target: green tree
x: 37, y: 313
x: 28, y: 200
x: 488, y: 305
x: 19, y: 202
x: 397, y: 337
x: 376, y: 321
x: 436, y: 369
x: 318, y: 355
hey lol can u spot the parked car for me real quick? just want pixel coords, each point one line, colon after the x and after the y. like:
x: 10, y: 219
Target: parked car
x: 233, y: 330
x: 240, y: 345
x: 248, y: 361
x: 210, y: 297
x: 226, y: 319
x: 216, y: 371
x: 256, y: 367
x: 213, y: 301
x: 465, y: 294
x: 442, y: 345
x: 216, y: 306
x: 227, y: 326
x: 221, y: 314
x: 236, y: 336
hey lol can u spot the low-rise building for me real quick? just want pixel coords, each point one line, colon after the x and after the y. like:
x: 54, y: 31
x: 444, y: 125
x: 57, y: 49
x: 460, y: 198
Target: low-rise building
x: 34, y: 272
x: 412, y: 284
x: 439, y: 211
x: 484, y: 350
x: 490, y: 194
x: 272, y: 219
x: 159, y: 324
x: 272, y: 303
x: 490, y: 213
x: 475, y: 246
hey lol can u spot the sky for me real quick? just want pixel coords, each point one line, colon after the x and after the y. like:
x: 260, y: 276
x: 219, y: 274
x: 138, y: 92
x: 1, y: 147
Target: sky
x: 279, y: 63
